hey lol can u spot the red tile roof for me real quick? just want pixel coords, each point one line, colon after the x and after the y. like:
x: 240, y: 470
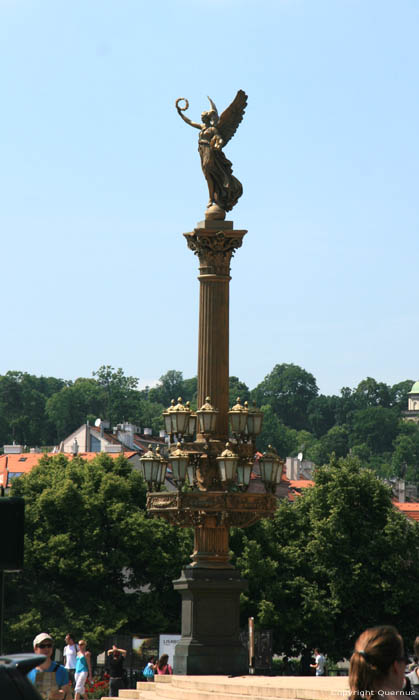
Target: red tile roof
x: 300, y: 483
x: 24, y: 463
x: 411, y: 510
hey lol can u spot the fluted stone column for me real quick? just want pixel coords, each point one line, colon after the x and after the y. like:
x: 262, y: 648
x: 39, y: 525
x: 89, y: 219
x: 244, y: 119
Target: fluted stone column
x: 214, y: 242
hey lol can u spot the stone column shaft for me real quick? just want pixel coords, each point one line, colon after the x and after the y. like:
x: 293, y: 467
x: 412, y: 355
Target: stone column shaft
x: 215, y: 243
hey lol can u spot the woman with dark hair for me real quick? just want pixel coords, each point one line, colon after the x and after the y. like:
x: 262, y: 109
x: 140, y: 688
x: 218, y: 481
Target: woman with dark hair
x: 413, y: 676
x: 163, y: 667
x: 378, y: 663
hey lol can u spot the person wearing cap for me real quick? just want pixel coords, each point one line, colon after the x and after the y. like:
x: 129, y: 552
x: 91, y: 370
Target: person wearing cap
x: 50, y: 679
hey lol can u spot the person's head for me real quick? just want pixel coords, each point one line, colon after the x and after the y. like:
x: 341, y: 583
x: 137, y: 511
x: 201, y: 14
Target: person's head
x: 69, y: 639
x: 163, y: 660
x: 82, y: 644
x: 416, y: 647
x: 206, y: 118
x: 152, y: 660
x: 116, y: 653
x: 43, y: 644
x: 316, y: 651
x: 378, y: 660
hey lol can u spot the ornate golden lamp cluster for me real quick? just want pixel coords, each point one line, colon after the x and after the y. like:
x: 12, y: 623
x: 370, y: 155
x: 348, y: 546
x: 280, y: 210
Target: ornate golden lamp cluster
x: 234, y: 463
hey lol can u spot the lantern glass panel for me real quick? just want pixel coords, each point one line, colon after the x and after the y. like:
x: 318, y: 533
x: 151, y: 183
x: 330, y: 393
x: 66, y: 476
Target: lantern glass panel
x: 254, y: 423
x: 162, y: 474
x: 269, y: 470
x: 146, y: 469
x: 179, y: 465
x: 191, y: 474
x: 238, y: 420
x: 243, y: 473
x: 227, y: 467
x: 155, y: 470
x: 247, y: 473
x: 167, y: 423
x: 257, y: 423
x: 207, y: 421
x: 180, y: 420
x: 191, y: 425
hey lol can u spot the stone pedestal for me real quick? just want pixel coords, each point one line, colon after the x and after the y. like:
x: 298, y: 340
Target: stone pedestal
x: 210, y: 623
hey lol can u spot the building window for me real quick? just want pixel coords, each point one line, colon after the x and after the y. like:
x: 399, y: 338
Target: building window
x: 94, y: 444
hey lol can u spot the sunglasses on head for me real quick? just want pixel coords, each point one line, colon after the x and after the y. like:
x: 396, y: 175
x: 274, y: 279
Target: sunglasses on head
x: 45, y: 645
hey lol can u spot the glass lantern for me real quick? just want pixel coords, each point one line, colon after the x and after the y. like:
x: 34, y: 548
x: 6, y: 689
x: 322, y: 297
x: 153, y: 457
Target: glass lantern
x: 238, y: 418
x: 227, y: 464
x: 244, y: 470
x: 176, y: 418
x: 153, y: 467
x: 191, y: 428
x: 254, y: 420
x: 179, y: 460
x: 207, y: 417
x: 269, y: 465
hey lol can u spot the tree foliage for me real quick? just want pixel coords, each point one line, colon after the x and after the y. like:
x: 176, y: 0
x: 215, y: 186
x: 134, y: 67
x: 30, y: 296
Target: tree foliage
x: 89, y: 552
x: 365, y: 421
x: 337, y: 560
x: 288, y: 389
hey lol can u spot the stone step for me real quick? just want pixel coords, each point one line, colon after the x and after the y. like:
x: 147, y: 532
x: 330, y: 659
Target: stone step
x: 254, y: 688
x: 240, y: 688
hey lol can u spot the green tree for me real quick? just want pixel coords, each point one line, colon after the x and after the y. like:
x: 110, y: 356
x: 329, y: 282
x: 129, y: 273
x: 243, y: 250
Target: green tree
x: 119, y: 392
x: 238, y: 389
x: 276, y: 434
x: 190, y: 390
x: 22, y: 408
x: 170, y: 387
x: 375, y: 426
x: 405, y: 459
x: 70, y: 407
x: 373, y: 393
x: 399, y: 394
x: 322, y: 413
x: 89, y: 552
x: 150, y: 415
x: 337, y: 560
x: 288, y: 389
x: 335, y: 441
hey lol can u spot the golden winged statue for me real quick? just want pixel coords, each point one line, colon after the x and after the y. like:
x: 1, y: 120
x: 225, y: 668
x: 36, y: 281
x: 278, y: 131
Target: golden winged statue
x: 214, y: 133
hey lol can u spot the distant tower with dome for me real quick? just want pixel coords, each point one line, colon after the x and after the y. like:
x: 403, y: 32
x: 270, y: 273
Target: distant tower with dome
x: 412, y: 413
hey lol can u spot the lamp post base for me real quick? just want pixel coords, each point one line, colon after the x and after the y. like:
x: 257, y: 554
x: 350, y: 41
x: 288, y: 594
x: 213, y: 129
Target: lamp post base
x: 210, y: 641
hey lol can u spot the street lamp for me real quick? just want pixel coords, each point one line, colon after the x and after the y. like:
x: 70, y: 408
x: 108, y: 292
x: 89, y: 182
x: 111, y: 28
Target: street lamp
x: 176, y: 418
x: 179, y: 460
x: 244, y: 470
x: 238, y: 418
x: 254, y: 420
x: 153, y: 467
x: 227, y: 464
x: 191, y: 428
x: 207, y: 417
x: 269, y: 465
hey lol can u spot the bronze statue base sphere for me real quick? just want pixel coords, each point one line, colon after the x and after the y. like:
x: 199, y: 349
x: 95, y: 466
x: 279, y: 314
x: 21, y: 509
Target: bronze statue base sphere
x: 214, y: 213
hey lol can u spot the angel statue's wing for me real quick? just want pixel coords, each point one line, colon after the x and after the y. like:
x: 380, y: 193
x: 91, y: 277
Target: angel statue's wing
x: 232, y: 116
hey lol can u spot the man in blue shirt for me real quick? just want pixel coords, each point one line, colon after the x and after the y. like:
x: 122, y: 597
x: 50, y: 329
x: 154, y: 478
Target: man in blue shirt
x: 50, y: 679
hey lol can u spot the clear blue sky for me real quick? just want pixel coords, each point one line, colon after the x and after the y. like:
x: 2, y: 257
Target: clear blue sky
x: 99, y: 178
